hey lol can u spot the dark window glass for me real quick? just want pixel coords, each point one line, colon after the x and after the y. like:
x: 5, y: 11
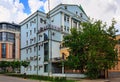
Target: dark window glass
x: 41, y: 20
x: 65, y: 7
x: 11, y: 37
x: 45, y: 37
x: 46, y: 51
x: 6, y: 36
x: 46, y: 68
x: 3, y: 50
x: 39, y: 47
x: 0, y: 36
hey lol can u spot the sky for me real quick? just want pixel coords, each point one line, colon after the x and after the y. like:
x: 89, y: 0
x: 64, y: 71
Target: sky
x: 17, y: 10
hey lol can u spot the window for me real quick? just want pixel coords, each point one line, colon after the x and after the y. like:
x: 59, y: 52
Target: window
x: 31, y: 41
x: 64, y: 17
x: 76, y: 12
x: 39, y: 67
x: 46, y: 51
x: 26, y: 25
x: 27, y: 42
x: 34, y: 39
x: 44, y: 21
x: 68, y: 29
x: 65, y: 28
x: 34, y: 20
x: 67, y: 19
x: 39, y: 47
x: 39, y: 37
x: 0, y: 36
x: 31, y: 23
x: 26, y: 51
x: 65, y: 7
x: 46, y: 68
x: 41, y: 20
x: 45, y: 37
x: 39, y: 58
x: 80, y: 14
x: 35, y: 67
x: 3, y: 50
x: 61, y: 28
x: 30, y: 50
x: 30, y: 32
x: 34, y: 48
x: 26, y: 34
x: 34, y: 30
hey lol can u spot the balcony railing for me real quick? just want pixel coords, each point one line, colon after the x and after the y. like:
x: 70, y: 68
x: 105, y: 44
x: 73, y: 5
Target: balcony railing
x: 57, y: 59
x: 49, y: 27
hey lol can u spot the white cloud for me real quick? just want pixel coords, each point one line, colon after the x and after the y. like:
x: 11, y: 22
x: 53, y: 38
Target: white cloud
x: 11, y: 11
x: 35, y: 5
x: 53, y: 3
x: 104, y: 10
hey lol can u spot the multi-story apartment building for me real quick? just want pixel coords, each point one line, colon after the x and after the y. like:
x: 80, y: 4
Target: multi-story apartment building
x: 9, y: 41
x: 115, y: 71
x: 42, y: 34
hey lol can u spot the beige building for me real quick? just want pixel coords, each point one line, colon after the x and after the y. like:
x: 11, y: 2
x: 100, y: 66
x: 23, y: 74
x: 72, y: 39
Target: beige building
x: 115, y: 71
x: 9, y: 41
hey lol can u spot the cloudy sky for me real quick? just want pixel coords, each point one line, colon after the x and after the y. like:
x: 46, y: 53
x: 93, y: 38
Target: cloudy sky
x: 17, y: 10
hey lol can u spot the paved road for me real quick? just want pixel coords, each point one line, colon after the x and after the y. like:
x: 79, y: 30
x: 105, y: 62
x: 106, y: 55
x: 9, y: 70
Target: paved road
x: 102, y: 80
x: 14, y: 79
x: 115, y: 80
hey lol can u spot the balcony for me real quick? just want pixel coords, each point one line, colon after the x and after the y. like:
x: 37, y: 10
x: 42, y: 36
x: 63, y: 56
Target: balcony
x: 57, y: 59
x: 53, y: 27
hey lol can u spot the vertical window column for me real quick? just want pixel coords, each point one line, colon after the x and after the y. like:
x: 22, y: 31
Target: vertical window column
x: 62, y: 14
x: 70, y: 24
x: 3, y: 50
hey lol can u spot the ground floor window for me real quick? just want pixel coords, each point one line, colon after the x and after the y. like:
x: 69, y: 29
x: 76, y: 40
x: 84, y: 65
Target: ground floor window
x: 3, y: 50
x: 46, y: 68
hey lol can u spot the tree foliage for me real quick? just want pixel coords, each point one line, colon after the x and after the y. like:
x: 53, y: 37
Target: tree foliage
x: 6, y: 64
x: 91, y: 47
x: 14, y: 64
x: 25, y: 63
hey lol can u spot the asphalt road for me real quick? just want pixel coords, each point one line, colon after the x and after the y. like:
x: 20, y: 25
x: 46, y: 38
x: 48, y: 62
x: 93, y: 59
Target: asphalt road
x: 15, y: 79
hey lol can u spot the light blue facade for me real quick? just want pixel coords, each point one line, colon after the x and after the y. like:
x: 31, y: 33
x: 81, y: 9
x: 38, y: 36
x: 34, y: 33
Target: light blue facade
x: 41, y: 37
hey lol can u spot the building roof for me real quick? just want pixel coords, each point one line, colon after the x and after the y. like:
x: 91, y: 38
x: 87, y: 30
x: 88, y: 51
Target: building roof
x: 10, y: 23
x: 80, y: 7
x: 70, y: 5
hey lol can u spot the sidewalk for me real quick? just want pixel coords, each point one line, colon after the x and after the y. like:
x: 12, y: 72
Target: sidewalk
x: 97, y: 80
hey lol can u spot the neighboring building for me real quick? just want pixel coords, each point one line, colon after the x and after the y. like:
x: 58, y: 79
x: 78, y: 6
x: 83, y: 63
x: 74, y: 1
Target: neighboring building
x: 115, y: 71
x: 41, y: 38
x: 9, y: 41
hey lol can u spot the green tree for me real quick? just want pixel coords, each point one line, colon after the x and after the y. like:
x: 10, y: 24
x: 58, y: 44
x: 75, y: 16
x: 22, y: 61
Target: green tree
x: 92, y: 47
x: 15, y: 65
x: 25, y: 63
x: 4, y: 65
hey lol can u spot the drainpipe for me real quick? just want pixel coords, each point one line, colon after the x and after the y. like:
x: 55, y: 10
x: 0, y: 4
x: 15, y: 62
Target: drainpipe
x: 37, y: 42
